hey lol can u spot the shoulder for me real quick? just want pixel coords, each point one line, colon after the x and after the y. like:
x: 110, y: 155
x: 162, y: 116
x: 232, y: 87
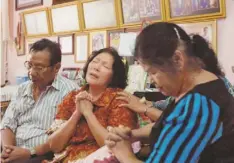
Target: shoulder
x: 24, y: 87
x: 214, y: 90
x: 112, y: 92
x: 193, y: 106
x: 66, y: 85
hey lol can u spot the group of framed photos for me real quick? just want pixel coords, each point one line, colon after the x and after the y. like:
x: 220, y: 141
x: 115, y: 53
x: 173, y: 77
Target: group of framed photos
x: 86, y: 23
x: 89, y: 15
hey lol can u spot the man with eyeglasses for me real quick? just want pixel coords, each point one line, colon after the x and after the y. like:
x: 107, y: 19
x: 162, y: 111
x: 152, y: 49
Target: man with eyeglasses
x: 31, y: 113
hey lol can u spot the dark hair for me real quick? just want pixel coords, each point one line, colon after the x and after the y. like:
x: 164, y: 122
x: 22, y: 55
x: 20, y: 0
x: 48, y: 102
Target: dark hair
x: 203, y: 51
x: 157, y: 43
x: 119, y: 77
x: 52, y: 47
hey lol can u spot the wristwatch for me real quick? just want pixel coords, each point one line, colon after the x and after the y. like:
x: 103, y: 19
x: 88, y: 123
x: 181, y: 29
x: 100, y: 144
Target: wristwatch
x: 32, y: 153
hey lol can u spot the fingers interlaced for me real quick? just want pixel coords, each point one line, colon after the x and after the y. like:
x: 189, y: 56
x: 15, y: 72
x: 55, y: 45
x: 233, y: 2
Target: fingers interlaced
x: 83, y: 96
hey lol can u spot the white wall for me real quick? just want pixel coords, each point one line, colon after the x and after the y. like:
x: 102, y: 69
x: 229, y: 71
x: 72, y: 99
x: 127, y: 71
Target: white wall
x: 225, y: 37
x: 1, y: 56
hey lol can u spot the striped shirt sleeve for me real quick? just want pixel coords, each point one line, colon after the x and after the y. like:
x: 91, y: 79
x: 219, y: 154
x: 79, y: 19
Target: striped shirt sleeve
x: 187, y: 130
x: 10, y: 117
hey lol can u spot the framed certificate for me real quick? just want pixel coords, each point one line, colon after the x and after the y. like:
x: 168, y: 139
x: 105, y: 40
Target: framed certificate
x: 67, y: 44
x: 36, y: 23
x: 99, y: 14
x: 65, y: 23
x: 81, y: 47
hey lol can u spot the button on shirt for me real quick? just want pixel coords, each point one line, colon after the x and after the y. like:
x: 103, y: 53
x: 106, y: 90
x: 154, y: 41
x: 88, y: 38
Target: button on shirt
x: 28, y: 119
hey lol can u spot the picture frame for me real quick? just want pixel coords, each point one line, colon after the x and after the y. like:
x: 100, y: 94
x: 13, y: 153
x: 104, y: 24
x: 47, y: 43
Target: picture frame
x: 113, y: 38
x: 20, y: 48
x: 23, y: 4
x: 29, y: 44
x: 56, y: 2
x: 94, y: 14
x: 206, y: 29
x: 133, y: 12
x: 65, y: 23
x: 97, y: 40
x: 32, y: 27
x: 176, y: 10
x: 67, y: 44
x: 81, y: 47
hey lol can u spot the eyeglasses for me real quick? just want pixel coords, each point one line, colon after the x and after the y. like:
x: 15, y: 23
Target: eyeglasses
x: 29, y: 65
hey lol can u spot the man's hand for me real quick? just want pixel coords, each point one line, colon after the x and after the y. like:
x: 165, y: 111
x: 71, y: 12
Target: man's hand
x: 5, y: 153
x: 17, y: 153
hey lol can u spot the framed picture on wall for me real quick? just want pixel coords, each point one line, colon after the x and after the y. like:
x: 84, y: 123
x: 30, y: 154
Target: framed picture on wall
x: 67, y: 44
x: 29, y: 44
x: 194, y: 9
x: 99, y: 14
x: 113, y: 38
x: 81, y: 47
x: 133, y: 12
x: 36, y: 23
x: 22, y: 4
x: 206, y: 29
x: 97, y: 40
x: 20, y: 46
x: 65, y: 23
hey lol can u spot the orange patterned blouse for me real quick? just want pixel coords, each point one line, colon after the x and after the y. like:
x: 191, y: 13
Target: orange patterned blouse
x: 108, y: 113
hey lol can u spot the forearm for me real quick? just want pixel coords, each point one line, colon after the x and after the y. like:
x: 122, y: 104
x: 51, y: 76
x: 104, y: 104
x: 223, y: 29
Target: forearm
x: 98, y: 131
x: 43, y: 149
x: 153, y: 113
x: 142, y: 134
x: 58, y: 140
x: 7, y: 137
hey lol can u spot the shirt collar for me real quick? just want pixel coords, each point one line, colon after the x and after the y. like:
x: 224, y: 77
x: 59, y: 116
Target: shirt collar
x: 57, y: 82
x: 105, y: 99
x: 56, y: 85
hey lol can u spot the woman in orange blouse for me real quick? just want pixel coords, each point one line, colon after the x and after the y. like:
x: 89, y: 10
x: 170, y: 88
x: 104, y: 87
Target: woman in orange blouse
x: 85, y: 114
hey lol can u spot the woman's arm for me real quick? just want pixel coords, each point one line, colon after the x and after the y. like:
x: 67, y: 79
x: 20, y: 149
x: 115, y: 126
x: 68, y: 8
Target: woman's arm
x: 141, y: 134
x: 67, y: 111
x: 59, y: 138
x: 133, y: 103
x: 98, y: 131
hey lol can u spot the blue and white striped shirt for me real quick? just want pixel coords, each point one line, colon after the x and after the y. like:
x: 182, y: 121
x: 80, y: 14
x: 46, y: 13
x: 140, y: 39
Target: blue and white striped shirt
x: 187, y: 130
x: 28, y: 119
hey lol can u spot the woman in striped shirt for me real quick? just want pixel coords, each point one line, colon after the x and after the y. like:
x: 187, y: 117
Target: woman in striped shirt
x: 198, y: 125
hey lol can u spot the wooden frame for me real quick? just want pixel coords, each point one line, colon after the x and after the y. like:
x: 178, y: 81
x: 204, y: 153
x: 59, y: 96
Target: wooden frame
x: 113, y: 38
x: 27, y: 4
x: 98, y: 16
x: 206, y: 29
x: 136, y: 29
x: 67, y: 44
x: 97, y: 40
x: 29, y: 44
x: 20, y: 48
x: 141, y: 13
x: 192, y: 10
x: 68, y: 23
x: 35, y: 17
x: 81, y: 49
